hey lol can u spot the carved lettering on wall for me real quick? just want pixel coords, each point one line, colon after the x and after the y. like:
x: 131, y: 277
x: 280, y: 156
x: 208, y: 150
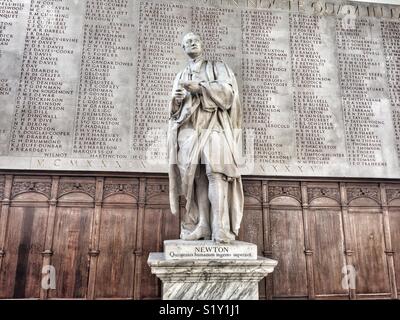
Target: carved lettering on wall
x: 86, y: 87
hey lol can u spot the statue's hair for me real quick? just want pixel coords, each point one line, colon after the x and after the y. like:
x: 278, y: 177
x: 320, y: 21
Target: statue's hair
x: 190, y: 34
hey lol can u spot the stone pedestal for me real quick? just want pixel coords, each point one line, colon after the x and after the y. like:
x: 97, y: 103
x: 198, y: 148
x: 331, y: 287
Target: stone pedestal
x: 221, y: 277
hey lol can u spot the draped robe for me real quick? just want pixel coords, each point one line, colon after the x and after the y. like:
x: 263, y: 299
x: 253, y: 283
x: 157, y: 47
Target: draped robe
x: 200, y: 127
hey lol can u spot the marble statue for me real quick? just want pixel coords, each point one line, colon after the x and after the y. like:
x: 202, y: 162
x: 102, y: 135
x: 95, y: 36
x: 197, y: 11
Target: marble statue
x: 203, y: 147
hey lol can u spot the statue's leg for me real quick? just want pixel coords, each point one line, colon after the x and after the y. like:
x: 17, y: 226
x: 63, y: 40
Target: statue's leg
x: 218, y: 195
x: 190, y: 219
x: 202, y: 199
x: 203, y: 228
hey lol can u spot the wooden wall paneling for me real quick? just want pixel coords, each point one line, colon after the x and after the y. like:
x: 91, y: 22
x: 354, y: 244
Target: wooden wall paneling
x: 171, y: 226
x: 152, y: 242
x: 308, y: 251
x: 71, y: 241
x: 21, y: 273
x: 5, y: 195
x: 139, y: 239
x: 48, y: 247
x: 393, y: 200
x: 267, y: 252
x: 119, y: 220
x: 388, y: 242
x: 70, y: 252
x: 252, y: 229
x: 94, y: 237
x: 156, y: 210
x: 394, y: 214
x: 25, y: 236
x: 170, y: 230
x: 116, y: 262
x: 290, y: 275
x: 366, y: 220
x: 347, y: 234
x: 326, y: 240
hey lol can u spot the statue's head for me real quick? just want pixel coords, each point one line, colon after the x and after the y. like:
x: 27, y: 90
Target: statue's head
x: 192, y: 45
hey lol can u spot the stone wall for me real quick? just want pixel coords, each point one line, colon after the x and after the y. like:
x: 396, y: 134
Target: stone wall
x: 84, y: 85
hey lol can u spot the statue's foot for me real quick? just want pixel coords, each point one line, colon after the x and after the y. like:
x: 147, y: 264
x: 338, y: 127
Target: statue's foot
x: 200, y: 232
x: 222, y: 241
x: 223, y: 237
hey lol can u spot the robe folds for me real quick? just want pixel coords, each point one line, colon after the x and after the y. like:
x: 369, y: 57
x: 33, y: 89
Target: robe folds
x: 202, y: 126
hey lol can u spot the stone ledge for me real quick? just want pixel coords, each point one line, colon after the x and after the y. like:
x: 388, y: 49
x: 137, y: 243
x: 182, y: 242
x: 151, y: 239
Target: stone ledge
x: 157, y: 259
x: 210, y: 279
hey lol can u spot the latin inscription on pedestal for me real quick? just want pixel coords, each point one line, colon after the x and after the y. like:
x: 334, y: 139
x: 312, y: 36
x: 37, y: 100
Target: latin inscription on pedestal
x: 209, y: 250
x: 85, y: 85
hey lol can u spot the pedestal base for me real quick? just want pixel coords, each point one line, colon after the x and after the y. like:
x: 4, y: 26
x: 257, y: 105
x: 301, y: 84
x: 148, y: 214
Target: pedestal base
x: 210, y: 279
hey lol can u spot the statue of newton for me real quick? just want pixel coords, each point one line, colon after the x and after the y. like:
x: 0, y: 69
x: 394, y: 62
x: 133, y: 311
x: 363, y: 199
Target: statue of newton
x: 203, y: 147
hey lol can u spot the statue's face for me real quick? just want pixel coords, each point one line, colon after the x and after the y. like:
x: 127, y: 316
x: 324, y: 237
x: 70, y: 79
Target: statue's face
x: 192, y: 45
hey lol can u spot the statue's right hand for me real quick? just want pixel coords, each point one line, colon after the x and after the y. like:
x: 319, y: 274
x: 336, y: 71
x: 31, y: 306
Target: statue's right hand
x: 179, y: 95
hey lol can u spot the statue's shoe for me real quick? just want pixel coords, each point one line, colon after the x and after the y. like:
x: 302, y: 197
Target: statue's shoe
x: 222, y: 241
x: 223, y: 237
x: 199, y: 233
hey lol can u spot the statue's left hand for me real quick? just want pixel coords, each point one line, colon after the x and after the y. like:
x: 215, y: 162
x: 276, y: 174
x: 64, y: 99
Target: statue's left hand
x: 192, y: 86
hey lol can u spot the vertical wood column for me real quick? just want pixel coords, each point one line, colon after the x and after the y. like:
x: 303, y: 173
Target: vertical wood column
x: 95, y: 238
x: 267, y: 250
x: 348, y: 241
x: 388, y: 242
x: 48, y: 246
x: 5, y: 209
x: 307, y: 243
x: 139, y: 239
x: 132, y: 293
